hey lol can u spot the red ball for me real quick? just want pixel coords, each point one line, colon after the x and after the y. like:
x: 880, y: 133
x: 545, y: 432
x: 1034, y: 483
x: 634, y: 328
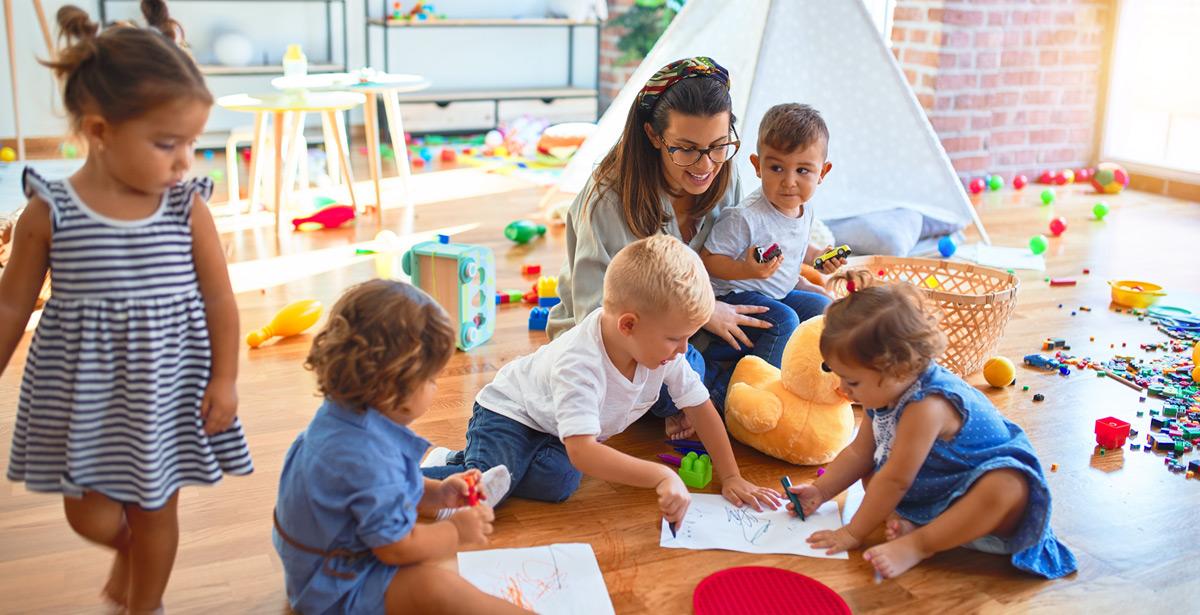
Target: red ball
x: 1019, y: 181
x: 1060, y: 178
x: 1046, y: 178
x: 976, y: 185
x: 1058, y: 226
x: 448, y: 155
x: 1083, y: 175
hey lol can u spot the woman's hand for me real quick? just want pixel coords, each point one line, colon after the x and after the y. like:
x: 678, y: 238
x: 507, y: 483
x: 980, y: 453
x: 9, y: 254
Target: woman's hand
x: 834, y: 542
x: 740, y: 491
x: 727, y: 321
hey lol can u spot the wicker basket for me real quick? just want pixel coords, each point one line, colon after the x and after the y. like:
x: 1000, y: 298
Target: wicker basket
x: 976, y: 303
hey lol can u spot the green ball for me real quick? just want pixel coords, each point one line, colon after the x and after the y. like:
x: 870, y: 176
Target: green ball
x: 217, y: 175
x: 1047, y: 196
x: 1100, y: 210
x: 995, y: 182
x: 70, y: 151
x: 1038, y: 244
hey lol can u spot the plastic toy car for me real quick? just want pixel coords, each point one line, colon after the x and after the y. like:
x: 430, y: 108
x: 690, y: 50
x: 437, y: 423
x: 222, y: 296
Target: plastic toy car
x: 838, y: 252
x: 763, y: 255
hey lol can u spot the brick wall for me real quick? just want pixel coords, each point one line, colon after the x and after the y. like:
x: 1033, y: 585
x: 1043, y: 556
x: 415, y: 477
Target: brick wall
x: 613, y: 75
x: 1009, y: 85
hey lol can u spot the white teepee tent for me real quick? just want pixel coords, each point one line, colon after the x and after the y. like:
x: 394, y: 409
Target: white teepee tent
x: 826, y: 53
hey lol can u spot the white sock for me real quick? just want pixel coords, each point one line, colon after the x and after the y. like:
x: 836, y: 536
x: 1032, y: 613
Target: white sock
x: 436, y: 457
x: 494, y: 484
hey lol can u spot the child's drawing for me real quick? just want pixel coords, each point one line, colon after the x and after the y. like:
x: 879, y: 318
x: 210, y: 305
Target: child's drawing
x: 563, y: 578
x: 713, y: 523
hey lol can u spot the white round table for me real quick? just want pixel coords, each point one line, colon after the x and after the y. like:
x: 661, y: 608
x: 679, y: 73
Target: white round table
x: 380, y: 85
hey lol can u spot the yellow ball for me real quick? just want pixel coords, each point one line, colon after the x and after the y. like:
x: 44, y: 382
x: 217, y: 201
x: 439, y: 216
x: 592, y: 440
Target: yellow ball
x: 999, y: 372
x: 1196, y: 355
x: 1196, y: 373
x: 7, y: 154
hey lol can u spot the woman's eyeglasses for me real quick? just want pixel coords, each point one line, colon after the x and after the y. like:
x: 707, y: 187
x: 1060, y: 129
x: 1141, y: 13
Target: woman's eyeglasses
x: 687, y: 156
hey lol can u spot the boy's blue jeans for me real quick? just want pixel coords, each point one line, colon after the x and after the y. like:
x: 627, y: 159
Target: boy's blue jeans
x: 784, y: 315
x: 537, y: 461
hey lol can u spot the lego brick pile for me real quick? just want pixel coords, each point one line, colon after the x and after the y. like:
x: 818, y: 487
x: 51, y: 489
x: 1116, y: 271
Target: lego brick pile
x: 1166, y: 373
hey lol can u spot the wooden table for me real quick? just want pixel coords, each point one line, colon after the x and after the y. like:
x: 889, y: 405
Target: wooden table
x: 387, y: 87
x: 276, y: 106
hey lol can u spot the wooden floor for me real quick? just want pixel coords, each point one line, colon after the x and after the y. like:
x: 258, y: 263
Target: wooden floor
x: 1129, y: 521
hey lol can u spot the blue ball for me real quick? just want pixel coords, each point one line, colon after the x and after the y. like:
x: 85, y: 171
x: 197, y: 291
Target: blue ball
x: 947, y: 247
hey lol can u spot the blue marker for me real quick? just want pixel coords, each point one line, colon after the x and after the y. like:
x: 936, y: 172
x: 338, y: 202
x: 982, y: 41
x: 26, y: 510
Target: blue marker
x: 787, y: 483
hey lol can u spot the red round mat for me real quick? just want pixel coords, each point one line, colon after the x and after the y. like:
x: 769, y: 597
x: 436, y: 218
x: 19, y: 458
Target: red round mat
x: 761, y: 590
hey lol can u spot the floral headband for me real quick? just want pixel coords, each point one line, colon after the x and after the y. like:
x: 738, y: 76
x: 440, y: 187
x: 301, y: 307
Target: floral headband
x: 675, y: 72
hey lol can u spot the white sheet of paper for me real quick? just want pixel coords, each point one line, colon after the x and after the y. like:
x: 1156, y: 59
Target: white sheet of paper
x: 558, y: 578
x: 713, y: 523
x: 1002, y: 257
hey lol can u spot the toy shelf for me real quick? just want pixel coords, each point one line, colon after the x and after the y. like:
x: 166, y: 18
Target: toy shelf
x: 326, y: 65
x: 528, y: 22
x: 545, y: 94
x: 388, y: 28
x: 218, y: 70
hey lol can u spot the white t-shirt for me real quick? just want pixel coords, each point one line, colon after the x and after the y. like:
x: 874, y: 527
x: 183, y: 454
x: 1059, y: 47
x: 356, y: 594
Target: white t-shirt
x: 570, y: 387
x: 755, y: 222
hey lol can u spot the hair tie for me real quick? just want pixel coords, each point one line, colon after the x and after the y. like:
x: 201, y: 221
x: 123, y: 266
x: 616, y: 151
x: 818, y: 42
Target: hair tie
x: 850, y: 286
x: 669, y: 75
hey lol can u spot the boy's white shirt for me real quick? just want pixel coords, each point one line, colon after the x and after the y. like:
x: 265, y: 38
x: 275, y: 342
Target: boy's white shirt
x: 570, y: 387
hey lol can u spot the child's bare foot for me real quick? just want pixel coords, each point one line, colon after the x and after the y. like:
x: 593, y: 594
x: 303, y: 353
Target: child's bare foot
x: 897, y: 526
x: 679, y: 427
x: 893, y: 558
x: 116, y: 590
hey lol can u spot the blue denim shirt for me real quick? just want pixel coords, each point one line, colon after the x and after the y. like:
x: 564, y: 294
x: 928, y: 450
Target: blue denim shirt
x: 350, y: 481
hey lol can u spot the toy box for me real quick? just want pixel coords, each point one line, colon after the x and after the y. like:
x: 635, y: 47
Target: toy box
x: 462, y: 279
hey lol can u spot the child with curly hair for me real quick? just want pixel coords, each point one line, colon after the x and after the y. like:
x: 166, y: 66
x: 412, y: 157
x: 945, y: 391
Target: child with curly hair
x: 939, y: 463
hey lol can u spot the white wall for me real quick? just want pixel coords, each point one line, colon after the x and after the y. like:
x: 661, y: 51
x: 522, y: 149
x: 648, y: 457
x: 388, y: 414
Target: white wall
x: 451, y: 58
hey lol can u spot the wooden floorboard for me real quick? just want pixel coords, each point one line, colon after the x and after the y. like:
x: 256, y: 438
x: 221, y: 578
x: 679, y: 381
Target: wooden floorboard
x: 1129, y: 521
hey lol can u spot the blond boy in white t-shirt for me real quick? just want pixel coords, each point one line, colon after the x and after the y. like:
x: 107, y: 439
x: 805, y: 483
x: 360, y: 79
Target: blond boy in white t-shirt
x: 546, y: 415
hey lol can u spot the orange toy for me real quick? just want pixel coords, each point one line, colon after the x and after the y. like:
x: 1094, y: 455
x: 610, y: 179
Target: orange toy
x: 291, y: 320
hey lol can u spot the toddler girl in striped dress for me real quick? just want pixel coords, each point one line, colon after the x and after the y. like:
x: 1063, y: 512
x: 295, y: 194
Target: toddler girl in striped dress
x: 129, y: 387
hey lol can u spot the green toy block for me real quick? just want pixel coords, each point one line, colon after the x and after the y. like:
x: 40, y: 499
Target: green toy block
x: 696, y: 471
x: 1169, y: 411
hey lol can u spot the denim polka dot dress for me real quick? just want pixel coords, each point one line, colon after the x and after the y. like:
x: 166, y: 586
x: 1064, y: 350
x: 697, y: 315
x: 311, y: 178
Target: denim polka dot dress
x: 986, y: 442
x: 118, y: 366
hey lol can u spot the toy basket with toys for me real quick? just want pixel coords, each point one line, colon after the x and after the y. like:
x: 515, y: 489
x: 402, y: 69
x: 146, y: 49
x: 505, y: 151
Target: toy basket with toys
x: 7, y: 229
x: 975, y: 303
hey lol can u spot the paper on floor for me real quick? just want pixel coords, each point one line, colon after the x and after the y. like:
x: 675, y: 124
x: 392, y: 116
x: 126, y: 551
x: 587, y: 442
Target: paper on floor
x: 559, y: 578
x: 713, y: 523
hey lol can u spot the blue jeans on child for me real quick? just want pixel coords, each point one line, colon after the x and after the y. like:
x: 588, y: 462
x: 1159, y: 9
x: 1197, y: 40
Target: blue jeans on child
x: 709, y: 374
x: 784, y: 315
x: 537, y: 461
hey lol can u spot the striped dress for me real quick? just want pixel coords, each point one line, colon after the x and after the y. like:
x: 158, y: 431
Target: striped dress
x: 110, y: 399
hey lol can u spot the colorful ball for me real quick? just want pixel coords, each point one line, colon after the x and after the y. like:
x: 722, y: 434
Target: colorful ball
x: 1058, y: 226
x: 947, y: 247
x: 1047, y: 177
x: 1047, y: 196
x: 69, y: 151
x: 1038, y: 244
x: 1100, y: 210
x: 1110, y: 178
x: 7, y: 154
x: 1020, y: 181
x: 217, y: 175
x: 995, y: 182
x: 1068, y: 176
x: 999, y: 372
x: 976, y: 185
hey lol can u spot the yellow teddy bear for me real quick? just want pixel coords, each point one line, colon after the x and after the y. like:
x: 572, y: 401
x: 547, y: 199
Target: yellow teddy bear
x: 795, y: 414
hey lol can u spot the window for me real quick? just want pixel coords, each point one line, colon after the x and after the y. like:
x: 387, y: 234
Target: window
x: 1153, y: 113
